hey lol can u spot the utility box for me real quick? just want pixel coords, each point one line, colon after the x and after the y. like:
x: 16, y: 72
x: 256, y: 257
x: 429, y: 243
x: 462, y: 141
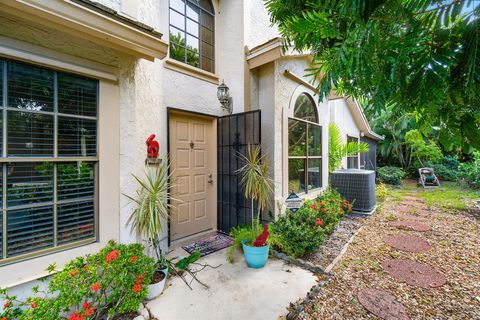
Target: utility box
x: 356, y: 186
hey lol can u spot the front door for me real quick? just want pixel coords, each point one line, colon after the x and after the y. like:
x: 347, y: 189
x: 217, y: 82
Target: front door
x: 193, y: 166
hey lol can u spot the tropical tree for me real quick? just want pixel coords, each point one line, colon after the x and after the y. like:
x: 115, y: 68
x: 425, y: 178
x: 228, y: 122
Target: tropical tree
x: 417, y: 56
x: 337, y: 149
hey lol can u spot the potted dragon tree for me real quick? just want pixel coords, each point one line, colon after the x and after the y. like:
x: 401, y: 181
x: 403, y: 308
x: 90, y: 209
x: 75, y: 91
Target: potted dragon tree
x: 152, y: 204
x: 258, y: 186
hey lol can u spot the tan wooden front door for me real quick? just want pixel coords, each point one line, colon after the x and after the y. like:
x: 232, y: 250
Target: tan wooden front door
x: 193, y: 157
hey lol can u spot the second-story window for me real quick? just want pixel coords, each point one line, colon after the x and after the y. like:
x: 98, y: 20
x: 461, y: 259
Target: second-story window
x: 192, y: 35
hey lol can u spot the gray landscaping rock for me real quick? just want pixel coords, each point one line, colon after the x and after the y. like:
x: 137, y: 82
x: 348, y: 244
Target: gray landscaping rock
x: 144, y: 312
x: 139, y: 318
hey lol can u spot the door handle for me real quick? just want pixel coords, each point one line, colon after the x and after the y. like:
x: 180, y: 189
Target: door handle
x: 210, y: 180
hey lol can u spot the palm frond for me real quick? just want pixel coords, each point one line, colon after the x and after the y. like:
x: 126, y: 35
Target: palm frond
x: 152, y: 202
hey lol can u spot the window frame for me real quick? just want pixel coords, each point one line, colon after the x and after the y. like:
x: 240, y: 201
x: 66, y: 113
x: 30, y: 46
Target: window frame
x: 355, y: 157
x: 306, y: 157
x: 54, y: 159
x: 202, y: 11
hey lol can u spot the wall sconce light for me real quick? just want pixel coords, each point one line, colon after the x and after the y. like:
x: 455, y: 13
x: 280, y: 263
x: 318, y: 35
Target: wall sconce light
x: 223, y: 96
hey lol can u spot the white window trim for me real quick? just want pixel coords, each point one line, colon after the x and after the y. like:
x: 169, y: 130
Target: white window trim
x: 184, y: 68
x: 288, y: 113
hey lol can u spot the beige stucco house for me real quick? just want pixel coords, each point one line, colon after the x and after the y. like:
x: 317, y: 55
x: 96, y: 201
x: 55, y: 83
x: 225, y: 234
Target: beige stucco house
x: 84, y: 83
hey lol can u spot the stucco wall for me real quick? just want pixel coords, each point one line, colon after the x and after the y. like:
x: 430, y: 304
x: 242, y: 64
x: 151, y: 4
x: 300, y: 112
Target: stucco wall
x: 340, y: 114
x: 258, y: 28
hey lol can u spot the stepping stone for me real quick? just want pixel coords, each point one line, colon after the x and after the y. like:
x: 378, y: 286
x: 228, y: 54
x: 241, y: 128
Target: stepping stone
x: 382, y: 304
x: 407, y: 243
x: 409, y: 225
x: 414, y: 273
x: 411, y: 217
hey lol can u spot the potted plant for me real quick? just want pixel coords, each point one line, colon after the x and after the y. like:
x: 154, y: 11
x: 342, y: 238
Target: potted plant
x: 152, y: 202
x: 258, y: 187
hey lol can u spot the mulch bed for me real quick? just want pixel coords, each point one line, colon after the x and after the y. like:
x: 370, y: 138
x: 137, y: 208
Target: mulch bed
x: 411, y: 217
x: 414, y: 273
x: 454, y: 254
x: 382, y: 304
x: 409, y: 225
x: 407, y: 243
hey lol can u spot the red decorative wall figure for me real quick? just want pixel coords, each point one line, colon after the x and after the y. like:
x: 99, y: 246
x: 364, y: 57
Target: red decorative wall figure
x: 152, y: 147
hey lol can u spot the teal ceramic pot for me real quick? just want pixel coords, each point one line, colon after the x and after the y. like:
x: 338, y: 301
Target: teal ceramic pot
x: 255, y: 257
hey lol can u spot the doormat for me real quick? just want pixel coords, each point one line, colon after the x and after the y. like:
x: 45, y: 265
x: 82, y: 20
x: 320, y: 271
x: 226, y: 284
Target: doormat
x: 209, y: 245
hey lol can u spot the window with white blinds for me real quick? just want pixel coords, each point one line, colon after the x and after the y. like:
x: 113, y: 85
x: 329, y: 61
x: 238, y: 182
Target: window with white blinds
x: 48, y: 149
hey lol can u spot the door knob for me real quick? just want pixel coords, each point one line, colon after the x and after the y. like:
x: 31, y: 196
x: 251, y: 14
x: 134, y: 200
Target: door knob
x: 210, y: 180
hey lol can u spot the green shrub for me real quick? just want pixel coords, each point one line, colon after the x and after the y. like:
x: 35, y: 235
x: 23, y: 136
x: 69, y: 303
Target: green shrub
x: 300, y: 233
x: 296, y: 233
x: 444, y: 173
x: 107, y: 283
x: 381, y: 191
x: 390, y: 175
x: 451, y: 163
x: 470, y: 172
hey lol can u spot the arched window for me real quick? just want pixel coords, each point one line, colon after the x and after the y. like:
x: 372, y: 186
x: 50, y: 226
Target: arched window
x: 192, y: 33
x: 304, y: 146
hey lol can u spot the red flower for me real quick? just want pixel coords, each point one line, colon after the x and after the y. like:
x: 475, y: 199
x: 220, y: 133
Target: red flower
x: 7, y: 304
x: 133, y: 259
x: 319, y: 222
x: 88, y: 308
x: 33, y: 305
x: 95, y: 287
x: 4, y: 318
x: 322, y: 203
x: 347, y: 203
x: 86, y: 305
x: 76, y: 316
x: 137, y: 287
x: 73, y: 273
x: 112, y: 255
x: 89, y: 312
x: 139, y: 279
x: 324, y: 210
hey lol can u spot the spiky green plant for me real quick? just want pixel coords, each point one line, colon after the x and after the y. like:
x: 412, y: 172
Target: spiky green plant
x: 152, y: 205
x: 337, y: 149
x: 255, y: 178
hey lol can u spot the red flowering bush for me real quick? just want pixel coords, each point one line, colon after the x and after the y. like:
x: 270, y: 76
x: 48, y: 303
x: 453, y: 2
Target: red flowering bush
x: 107, y: 283
x: 300, y: 233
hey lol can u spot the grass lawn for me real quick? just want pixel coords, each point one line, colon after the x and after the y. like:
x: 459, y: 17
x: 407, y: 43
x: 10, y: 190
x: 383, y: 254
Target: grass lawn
x: 449, y: 196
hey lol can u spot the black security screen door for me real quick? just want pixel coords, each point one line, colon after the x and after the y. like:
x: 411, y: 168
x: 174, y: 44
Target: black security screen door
x: 235, y: 133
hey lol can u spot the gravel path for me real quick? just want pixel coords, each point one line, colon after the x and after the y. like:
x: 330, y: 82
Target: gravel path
x: 455, y: 254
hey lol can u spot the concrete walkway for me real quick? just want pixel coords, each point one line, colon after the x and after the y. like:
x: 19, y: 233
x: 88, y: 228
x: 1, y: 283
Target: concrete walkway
x: 236, y: 291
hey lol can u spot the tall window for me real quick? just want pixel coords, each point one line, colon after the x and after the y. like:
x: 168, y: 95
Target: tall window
x: 192, y: 33
x: 304, y: 147
x: 48, y: 159
x: 352, y: 161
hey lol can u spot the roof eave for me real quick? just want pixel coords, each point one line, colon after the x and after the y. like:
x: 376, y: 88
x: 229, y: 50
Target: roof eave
x: 87, y: 22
